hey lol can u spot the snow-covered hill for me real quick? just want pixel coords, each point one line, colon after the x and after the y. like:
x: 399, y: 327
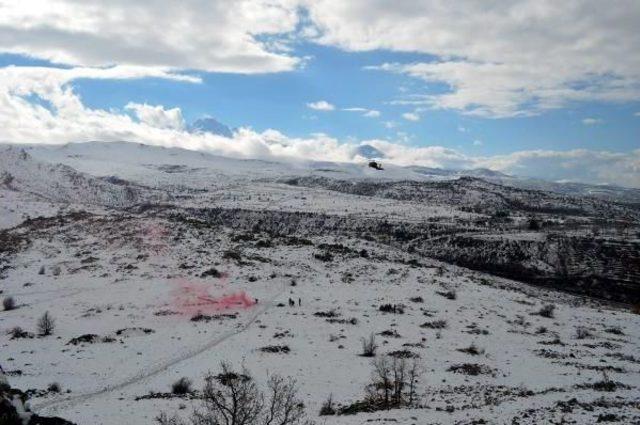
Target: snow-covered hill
x: 158, y: 264
x: 135, y: 161
x: 20, y: 172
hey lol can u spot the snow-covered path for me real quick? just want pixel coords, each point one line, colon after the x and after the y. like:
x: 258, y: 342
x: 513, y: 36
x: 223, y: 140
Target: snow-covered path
x: 53, y: 406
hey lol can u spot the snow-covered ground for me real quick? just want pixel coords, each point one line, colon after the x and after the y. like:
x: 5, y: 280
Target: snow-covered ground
x: 125, y: 282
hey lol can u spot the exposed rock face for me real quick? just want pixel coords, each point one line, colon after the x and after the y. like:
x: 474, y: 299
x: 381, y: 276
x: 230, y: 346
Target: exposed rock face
x: 14, y: 408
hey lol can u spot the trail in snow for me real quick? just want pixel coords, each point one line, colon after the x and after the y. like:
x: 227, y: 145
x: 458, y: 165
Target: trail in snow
x: 53, y: 406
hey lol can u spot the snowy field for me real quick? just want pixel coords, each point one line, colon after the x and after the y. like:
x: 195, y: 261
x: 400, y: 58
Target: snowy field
x: 142, y: 296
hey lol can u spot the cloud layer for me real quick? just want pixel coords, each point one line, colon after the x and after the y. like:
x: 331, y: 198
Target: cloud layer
x: 221, y: 35
x: 498, y: 59
x: 38, y: 105
x: 490, y: 59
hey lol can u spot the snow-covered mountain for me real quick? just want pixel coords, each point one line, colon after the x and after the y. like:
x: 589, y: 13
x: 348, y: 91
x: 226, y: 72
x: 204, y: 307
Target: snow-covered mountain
x: 210, y: 125
x: 515, y: 305
x: 134, y: 160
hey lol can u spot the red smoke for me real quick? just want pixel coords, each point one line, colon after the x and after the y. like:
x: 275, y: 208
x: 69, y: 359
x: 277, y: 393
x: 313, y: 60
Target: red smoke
x: 191, y: 298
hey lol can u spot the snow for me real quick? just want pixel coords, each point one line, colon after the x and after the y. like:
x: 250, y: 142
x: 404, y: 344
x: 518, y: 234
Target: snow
x: 137, y: 278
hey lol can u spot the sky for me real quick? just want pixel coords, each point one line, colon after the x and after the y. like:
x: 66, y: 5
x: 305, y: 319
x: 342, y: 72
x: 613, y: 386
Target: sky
x: 535, y: 88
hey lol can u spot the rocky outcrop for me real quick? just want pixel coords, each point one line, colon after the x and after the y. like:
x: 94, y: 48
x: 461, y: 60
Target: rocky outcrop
x: 15, y: 410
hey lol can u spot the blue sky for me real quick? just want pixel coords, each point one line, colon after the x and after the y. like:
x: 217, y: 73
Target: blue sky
x: 543, y: 77
x: 280, y: 101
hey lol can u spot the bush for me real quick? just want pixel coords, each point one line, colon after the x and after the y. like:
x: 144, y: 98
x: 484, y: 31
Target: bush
x: 182, y: 386
x: 547, y: 311
x: 450, y: 295
x: 369, y: 346
x: 533, y: 225
x: 392, y: 308
x: 471, y: 369
x: 9, y: 303
x: 46, y: 324
x: 323, y: 256
x: 54, y: 387
x: 327, y: 408
x: 18, y: 332
x: 582, y: 333
x: 472, y: 350
x: 436, y: 324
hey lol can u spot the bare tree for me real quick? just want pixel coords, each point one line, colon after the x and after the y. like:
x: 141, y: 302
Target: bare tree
x: 232, y: 398
x: 369, y: 346
x: 416, y: 370
x: 283, y: 406
x: 379, y: 390
x: 46, y: 324
x: 393, y: 382
x: 229, y: 398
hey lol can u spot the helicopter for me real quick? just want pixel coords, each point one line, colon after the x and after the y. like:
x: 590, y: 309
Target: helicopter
x: 375, y: 164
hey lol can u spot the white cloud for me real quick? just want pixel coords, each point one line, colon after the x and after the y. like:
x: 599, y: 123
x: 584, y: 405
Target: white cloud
x: 581, y: 165
x: 637, y: 114
x: 462, y: 129
x: 477, y: 142
x: 535, y: 55
x: 411, y: 116
x: 39, y: 106
x: 321, y: 105
x: 369, y: 113
x: 157, y: 116
x: 222, y: 36
x: 592, y: 121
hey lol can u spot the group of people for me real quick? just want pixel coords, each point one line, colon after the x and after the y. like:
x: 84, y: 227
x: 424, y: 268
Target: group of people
x: 292, y: 303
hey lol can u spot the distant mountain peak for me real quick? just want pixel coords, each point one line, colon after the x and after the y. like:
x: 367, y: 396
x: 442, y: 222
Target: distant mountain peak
x: 368, y: 151
x: 210, y: 125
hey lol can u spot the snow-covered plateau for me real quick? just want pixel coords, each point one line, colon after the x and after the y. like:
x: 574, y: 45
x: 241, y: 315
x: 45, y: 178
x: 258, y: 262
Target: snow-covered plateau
x: 514, y: 302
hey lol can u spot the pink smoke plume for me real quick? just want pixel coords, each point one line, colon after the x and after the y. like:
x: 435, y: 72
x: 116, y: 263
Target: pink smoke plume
x: 194, y: 297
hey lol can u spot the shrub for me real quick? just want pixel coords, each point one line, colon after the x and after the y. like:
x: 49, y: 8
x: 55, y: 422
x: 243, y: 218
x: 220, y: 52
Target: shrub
x: 182, y: 386
x: 369, y: 346
x: 276, y: 349
x: 471, y: 369
x: 436, y: 324
x: 547, y: 311
x: 533, y: 225
x: 54, y: 387
x: 472, y: 350
x: 327, y: 408
x: 391, y: 308
x: 46, y: 324
x: 212, y: 272
x: 9, y: 303
x: 450, y: 295
x: 18, y: 332
x: 323, y: 256
x: 582, y: 333
x: 232, y: 255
